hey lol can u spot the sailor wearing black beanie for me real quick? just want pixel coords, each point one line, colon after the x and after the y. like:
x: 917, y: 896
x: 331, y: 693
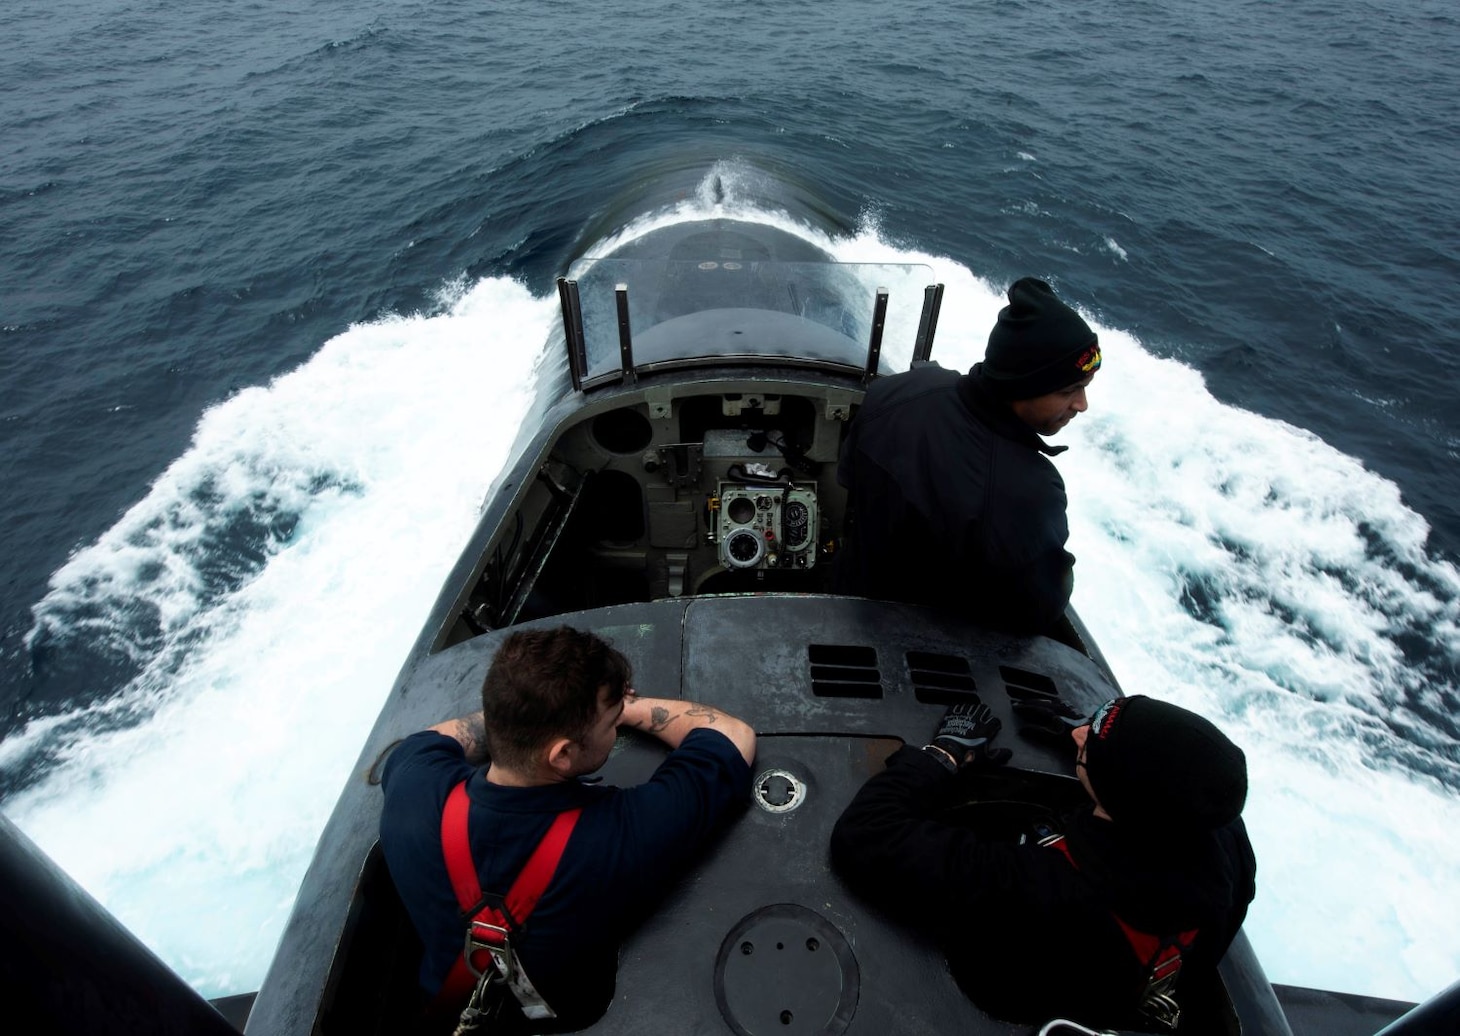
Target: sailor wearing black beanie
x: 1154, y: 765
x: 956, y: 503
x: 1038, y: 345
x: 1114, y: 914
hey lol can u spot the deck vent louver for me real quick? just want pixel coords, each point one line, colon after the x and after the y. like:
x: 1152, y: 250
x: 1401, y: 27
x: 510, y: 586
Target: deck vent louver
x: 940, y: 679
x: 844, y: 671
x: 1023, y: 685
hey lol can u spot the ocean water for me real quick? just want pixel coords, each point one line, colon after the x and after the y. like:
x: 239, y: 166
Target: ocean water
x: 275, y: 281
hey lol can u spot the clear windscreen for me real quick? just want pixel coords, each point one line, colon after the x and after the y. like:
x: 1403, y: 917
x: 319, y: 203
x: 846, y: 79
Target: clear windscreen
x: 687, y: 311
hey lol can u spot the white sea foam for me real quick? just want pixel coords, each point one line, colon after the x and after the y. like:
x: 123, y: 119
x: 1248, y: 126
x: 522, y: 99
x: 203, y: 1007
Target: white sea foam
x: 384, y: 444
x: 1294, y: 651
x: 208, y: 812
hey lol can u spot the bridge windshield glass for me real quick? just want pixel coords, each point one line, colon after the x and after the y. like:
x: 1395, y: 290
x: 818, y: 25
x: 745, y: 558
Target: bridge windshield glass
x: 697, y: 312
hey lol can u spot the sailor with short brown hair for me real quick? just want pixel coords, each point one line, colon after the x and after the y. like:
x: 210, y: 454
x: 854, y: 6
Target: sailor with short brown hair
x: 553, y: 703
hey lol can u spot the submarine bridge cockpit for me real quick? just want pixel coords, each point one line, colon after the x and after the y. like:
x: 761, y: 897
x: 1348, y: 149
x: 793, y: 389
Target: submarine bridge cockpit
x: 711, y: 378
x: 679, y: 497
x: 700, y: 493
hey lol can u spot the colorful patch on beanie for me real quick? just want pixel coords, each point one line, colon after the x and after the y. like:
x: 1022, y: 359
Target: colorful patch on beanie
x: 1089, y: 360
x: 1105, y: 717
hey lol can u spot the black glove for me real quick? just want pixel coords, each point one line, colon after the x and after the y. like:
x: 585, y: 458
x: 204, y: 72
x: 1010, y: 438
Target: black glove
x: 1049, y: 720
x: 965, y: 733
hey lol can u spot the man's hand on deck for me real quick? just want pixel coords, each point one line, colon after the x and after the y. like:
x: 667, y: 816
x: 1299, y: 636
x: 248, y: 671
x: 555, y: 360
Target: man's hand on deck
x: 965, y: 735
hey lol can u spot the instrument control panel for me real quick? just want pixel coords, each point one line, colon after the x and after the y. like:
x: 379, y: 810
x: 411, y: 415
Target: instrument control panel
x: 767, y: 526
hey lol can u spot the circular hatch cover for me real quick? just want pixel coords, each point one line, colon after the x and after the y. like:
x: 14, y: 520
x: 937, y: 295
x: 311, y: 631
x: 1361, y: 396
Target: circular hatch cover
x: 788, y: 970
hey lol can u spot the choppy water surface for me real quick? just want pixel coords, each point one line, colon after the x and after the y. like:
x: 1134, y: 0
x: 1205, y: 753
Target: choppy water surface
x: 274, y: 280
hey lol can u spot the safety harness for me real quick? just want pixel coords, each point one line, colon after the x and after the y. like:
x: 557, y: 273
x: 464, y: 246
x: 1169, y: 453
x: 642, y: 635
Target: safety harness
x: 1160, y: 956
x: 488, y: 957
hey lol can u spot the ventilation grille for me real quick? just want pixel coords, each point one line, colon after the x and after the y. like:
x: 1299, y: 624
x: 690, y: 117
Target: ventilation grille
x: 1023, y: 685
x: 940, y: 679
x: 843, y: 671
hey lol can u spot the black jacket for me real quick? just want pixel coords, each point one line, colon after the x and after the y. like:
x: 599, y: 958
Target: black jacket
x: 954, y: 503
x: 1028, y: 936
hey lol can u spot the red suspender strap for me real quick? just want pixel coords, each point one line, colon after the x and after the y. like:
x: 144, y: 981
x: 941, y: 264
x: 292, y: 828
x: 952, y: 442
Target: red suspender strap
x: 1058, y: 842
x: 540, y: 868
x: 536, y: 875
x: 1162, y: 956
x: 457, y: 849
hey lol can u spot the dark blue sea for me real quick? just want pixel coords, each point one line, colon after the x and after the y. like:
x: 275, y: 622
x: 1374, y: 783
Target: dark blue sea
x: 275, y: 278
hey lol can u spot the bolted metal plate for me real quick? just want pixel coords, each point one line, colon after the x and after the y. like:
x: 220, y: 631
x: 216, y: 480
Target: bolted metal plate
x: 788, y: 970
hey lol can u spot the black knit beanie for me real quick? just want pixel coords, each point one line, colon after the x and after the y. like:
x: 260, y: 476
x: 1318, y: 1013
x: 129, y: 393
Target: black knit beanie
x: 1158, y: 766
x: 1038, y: 345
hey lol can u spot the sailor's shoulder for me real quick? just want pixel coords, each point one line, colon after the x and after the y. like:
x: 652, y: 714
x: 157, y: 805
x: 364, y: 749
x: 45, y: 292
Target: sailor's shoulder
x: 926, y: 385
x: 424, y: 752
x: 921, y: 377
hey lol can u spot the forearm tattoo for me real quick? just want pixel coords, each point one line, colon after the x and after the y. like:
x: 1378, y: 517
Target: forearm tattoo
x: 660, y: 717
x: 471, y: 731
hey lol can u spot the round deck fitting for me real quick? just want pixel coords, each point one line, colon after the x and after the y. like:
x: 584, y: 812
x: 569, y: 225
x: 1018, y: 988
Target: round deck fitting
x: 778, y: 791
x: 786, y: 969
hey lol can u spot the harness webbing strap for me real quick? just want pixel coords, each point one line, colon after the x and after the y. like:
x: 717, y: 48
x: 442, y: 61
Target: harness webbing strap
x: 1162, y: 956
x: 1159, y: 955
x: 521, y: 898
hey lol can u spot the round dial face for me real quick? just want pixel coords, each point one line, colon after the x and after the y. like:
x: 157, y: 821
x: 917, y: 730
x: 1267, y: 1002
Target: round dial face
x: 797, y: 521
x: 744, y: 548
x: 741, y: 509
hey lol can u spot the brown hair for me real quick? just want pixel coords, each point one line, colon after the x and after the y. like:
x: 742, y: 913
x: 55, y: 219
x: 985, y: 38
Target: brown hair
x: 543, y: 684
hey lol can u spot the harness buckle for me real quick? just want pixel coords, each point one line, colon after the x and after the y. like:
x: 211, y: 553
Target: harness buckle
x: 1162, y: 1009
x: 483, y: 935
x: 1158, y: 1000
x: 496, y: 940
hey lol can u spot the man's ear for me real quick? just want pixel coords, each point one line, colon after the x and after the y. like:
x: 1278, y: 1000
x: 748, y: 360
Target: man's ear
x: 562, y: 756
